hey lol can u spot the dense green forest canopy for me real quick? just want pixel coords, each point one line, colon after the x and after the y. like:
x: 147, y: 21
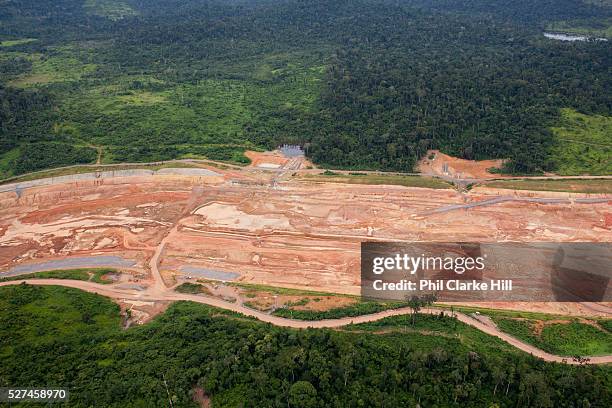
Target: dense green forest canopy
x: 66, y: 337
x: 363, y: 84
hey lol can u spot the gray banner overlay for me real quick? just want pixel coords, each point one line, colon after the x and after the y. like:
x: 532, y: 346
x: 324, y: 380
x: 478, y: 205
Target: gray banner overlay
x: 488, y: 272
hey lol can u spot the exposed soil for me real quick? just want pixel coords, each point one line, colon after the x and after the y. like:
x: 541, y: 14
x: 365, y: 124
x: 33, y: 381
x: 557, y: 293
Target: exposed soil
x: 268, y: 229
x: 271, y: 160
x: 444, y: 165
x: 140, y: 312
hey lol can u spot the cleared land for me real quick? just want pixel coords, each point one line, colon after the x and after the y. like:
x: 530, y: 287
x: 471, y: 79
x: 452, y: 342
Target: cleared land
x: 287, y: 302
x: 440, y: 164
x: 561, y: 336
x: 266, y: 226
x: 583, y: 144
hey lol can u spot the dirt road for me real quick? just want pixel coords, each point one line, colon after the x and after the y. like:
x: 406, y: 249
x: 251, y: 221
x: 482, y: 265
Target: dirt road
x: 157, y: 295
x: 506, y: 199
x: 294, y: 166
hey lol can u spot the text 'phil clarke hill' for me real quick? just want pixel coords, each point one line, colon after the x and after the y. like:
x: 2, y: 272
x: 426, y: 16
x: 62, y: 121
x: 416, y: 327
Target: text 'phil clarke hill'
x: 503, y: 285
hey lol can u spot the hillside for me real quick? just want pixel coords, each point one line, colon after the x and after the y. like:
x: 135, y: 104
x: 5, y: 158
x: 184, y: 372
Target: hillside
x: 368, y: 84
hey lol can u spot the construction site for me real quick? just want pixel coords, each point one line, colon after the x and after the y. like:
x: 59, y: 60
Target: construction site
x: 265, y: 224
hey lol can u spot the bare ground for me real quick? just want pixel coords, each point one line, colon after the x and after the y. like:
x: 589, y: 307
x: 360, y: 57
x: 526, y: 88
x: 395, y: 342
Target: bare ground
x: 270, y: 230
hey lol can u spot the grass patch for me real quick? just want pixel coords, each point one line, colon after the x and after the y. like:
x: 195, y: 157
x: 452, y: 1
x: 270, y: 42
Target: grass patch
x: 12, y: 43
x: 375, y: 179
x: 567, y: 339
x: 191, y: 288
x: 93, y: 275
x: 111, y: 9
x: 358, y: 309
x: 584, y: 144
x: 62, y: 64
x: 163, y: 122
x: 606, y: 324
x: 586, y: 186
x: 522, y: 329
x: 143, y: 98
x: 576, y: 339
x: 279, y: 290
x: 428, y: 326
x: 602, y: 28
x: 98, y: 275
x: 7, y: 162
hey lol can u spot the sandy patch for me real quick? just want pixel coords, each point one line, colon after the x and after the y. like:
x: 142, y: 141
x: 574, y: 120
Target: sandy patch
x: 269, y: 166
x: 266, y: 159
x: 445, y: 165
x: 139, y: 312
x: 224, y: 215
x: 146, y: 205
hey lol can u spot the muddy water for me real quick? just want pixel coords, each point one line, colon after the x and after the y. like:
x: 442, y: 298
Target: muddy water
x: 95, y: 261
x: 208, y: 273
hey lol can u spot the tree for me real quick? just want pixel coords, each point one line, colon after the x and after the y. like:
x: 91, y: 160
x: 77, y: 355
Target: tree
x: 302, y: 394
x: 416, y: 303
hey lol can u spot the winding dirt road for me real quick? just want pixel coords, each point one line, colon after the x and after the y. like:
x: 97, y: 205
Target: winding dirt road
x: 158, y: 294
